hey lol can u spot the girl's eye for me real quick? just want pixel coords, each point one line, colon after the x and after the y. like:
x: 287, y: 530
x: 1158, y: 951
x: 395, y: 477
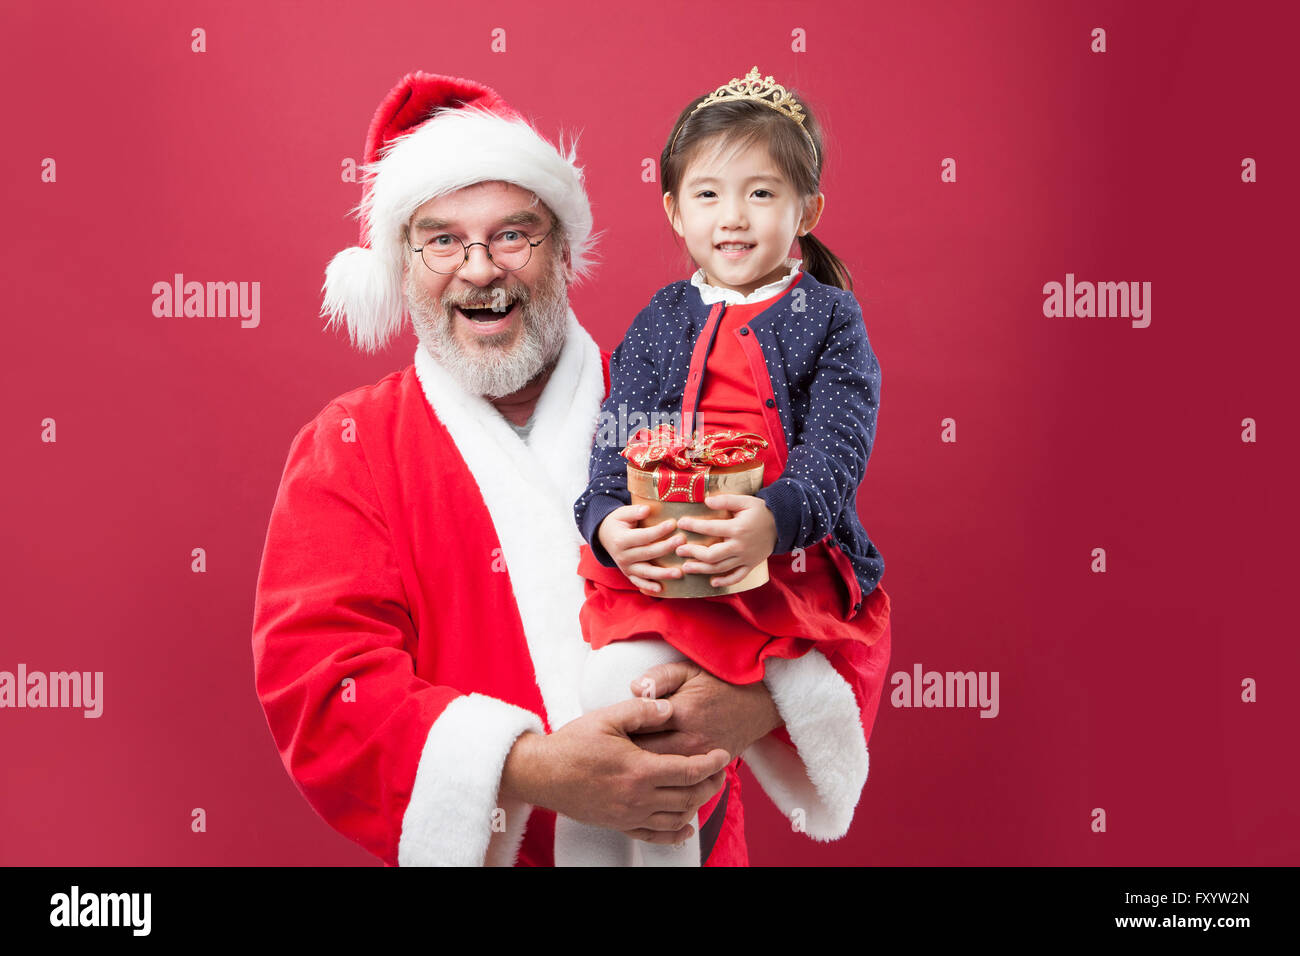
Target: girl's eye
x: 704, y: 194
x: 768, y: 192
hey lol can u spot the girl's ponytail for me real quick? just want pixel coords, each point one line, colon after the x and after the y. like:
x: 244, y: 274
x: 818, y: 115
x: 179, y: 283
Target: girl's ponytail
x: 822, y: 264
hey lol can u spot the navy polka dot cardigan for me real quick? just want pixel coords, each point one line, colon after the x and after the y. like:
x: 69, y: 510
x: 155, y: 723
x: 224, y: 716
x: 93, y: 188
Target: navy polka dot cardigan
x: 823, y: 389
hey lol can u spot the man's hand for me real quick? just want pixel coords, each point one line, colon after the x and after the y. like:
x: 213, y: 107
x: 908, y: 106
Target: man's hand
x: 707, y: 713
x: 591, y: 771
x: 748, y: 537
x: 633, y: 548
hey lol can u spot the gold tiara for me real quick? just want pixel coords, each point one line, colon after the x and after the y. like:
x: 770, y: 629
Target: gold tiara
x: 760, y: 89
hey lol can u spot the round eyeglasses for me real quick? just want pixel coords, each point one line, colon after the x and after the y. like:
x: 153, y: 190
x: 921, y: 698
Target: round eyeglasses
x: 509, y: 249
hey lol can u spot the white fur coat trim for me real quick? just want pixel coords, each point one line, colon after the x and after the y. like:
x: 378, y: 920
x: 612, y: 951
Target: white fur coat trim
x: 455, y: 816
x: 529, y: 490
x: 529, y: 495
x: 819, y: 786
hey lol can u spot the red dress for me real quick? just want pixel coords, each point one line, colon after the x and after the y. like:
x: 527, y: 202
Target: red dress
x: 730, y: 635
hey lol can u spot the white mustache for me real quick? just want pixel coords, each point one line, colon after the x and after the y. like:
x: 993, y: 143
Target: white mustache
x: 504, y: 303
x: 484, y: 305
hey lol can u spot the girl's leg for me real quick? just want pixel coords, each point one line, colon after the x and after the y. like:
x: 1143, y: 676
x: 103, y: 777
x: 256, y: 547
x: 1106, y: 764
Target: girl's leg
x: 606, y: 677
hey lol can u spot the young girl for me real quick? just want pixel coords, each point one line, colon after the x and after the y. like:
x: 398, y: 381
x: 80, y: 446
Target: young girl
x: 756, y: 342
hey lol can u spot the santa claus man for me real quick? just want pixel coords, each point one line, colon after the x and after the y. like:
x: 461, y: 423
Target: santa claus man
x: 416, y: 639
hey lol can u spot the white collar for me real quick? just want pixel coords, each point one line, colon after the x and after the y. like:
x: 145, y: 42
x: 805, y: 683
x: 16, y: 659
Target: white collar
x: 712, y: 293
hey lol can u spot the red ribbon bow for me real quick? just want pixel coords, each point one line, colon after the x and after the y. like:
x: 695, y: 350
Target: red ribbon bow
x: 683, y: 463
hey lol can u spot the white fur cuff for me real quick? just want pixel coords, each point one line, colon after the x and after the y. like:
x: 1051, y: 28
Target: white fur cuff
x: 454, y: 817
x: 818, y: 787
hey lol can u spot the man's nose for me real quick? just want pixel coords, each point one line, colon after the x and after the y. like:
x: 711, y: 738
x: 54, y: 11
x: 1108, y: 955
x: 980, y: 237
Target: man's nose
x: 478, y: 268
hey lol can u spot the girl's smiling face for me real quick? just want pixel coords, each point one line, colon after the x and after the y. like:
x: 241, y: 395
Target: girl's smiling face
x: 739, y: 216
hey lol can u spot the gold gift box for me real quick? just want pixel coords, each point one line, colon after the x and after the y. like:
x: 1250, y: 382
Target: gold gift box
x: 742, y: 479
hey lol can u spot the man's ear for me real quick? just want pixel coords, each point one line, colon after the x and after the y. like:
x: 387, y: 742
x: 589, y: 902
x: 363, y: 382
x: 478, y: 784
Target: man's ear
x: 812, y: 213
x: 568, y: 263
x: 670, y: 210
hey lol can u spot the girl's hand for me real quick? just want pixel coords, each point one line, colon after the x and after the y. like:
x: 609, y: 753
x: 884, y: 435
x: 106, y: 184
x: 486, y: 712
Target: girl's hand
x: 633, y: 548
x: 748, y: 537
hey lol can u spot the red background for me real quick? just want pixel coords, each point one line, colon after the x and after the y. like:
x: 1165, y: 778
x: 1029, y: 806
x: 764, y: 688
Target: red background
x: 1118, y: 690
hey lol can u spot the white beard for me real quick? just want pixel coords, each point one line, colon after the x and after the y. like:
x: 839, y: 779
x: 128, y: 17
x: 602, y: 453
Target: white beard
x: 493, y: 370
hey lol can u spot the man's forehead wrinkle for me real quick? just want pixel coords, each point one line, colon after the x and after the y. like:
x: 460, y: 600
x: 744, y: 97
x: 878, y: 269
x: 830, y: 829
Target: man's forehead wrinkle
x: 520, y: 217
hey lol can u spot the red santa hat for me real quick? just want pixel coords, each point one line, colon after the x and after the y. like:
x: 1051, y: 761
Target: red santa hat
x: 431, y: 136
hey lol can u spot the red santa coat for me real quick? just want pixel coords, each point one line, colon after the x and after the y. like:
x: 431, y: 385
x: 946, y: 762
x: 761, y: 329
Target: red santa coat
x: 417, y: 610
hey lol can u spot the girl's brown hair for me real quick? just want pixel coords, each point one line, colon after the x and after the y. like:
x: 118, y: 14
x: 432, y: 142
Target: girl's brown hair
x: 741, y: 123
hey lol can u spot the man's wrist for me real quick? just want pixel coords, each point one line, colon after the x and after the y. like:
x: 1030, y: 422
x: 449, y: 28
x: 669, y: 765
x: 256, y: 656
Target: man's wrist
x: 521, y: 778
x: 774, y: 719
x: 764, y: 717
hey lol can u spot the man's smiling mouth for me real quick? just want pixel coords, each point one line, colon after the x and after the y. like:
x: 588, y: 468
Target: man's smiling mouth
x: 485, y: 314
